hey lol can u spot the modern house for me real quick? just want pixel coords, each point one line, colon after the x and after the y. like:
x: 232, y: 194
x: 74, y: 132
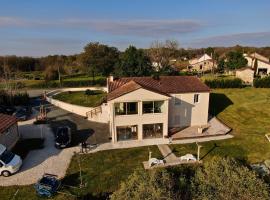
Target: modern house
x: 145, y: 107
x: 246, y: 74
x: 202, y: 64
x: 259, y: 63
x: 9, y: 134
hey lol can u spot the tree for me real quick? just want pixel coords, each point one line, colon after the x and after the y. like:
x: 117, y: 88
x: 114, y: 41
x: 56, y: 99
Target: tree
x: 154, y: 185
x: 225, y: 179
x: 161, y: 53
x: 133, y: 62
x: 99, y: 58
x: 235, y: 60
x: 221, y: 66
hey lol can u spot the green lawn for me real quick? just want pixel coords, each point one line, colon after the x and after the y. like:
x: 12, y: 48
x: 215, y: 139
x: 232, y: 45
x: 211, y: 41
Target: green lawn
x: 247, y: 112
x: 102, y: 172
x: 81, y: 99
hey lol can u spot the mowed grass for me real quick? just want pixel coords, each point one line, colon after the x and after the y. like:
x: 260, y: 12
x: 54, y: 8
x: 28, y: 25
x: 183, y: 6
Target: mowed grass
x: 102, y: 173
x: 82, y: 99
x: 247, y: 112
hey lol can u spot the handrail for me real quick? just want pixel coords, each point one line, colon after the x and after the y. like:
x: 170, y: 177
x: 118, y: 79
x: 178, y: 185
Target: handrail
x: 94, y: 111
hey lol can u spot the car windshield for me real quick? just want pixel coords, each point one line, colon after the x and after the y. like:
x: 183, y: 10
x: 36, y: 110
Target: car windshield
x: 7, y: 156
x: 62, y: 135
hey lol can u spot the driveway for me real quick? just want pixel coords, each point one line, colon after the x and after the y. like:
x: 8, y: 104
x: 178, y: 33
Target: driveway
x: 49, y: 159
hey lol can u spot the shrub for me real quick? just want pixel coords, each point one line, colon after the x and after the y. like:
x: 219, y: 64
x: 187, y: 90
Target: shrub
x: 154, y: 184
x: 224, y: 179
x: 89, y: 92
x: 13, y: 99
x: 224, y: 83
x: 262, y: 82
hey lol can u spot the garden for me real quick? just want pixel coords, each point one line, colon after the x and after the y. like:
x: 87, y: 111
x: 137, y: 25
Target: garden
x: 87, y: 98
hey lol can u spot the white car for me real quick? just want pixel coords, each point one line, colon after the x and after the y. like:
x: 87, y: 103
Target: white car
x: 188, y: 157
x: 155, y: 161
x: 10, y: 163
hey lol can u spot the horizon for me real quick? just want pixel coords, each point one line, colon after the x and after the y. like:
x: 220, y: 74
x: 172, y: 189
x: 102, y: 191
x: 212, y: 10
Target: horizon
x: 39, y: 29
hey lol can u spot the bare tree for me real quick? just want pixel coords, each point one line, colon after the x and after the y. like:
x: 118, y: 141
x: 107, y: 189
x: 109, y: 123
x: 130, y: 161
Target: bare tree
x: 160, y: 53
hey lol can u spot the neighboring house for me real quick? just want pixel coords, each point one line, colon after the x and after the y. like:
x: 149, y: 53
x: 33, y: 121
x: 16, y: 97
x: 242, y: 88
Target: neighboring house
x: 246, y: 74
x: 263, y: 64
x: 9, y: 134
x: 202, y: 64
x: 145, y: 107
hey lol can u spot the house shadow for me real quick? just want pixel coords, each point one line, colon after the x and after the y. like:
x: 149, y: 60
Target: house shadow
x: 218, y: 102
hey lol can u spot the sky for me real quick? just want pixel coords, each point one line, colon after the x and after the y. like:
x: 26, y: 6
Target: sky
x: 46, y: 27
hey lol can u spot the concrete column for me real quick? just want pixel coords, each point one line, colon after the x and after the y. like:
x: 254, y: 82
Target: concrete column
x: 140, y: 132
x: 166, y: 122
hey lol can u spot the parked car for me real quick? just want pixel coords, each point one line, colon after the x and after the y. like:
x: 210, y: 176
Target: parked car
x: 9, y: 110
x: 10, y: 163
x: 48, y: 185
x: 23, y: 113
x: 62, y: 137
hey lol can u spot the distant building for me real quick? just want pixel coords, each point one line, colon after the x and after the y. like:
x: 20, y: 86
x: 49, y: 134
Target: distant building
x: 9, y: 134
x: 246, y: 74
x: 202, y: 64
x: 263, y: 64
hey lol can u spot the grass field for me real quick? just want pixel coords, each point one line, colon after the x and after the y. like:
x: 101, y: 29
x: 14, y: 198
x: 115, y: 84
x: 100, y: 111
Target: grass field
x: 81, y: 99
x: 247, y: 112
x: 102, y: 172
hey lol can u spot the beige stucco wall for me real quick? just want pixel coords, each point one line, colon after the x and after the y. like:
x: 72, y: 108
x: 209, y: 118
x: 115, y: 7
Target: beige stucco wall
x: 188, y: 113
x: 262, y: 65
x: 246, y: 75
x: 206, y: 66
x: 139, y: 119
x: 10, y: 137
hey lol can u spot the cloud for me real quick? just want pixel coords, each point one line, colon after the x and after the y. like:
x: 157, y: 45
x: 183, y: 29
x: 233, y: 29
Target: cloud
x: 248, y: 39
x: 141, y: 27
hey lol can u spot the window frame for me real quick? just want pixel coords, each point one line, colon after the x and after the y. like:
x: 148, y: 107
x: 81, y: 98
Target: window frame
x: 126, y: 108
x: 153, y: 107
x: 197, y: 99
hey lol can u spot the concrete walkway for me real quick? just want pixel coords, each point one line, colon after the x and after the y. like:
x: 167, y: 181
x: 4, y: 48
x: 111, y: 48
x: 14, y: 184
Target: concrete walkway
x: 167, y: 153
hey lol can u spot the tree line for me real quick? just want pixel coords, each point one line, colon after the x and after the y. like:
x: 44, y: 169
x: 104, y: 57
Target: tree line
x: 101, y: 59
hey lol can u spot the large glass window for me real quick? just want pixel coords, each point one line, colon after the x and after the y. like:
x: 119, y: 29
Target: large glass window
x: 127, y: 133
x: 153, y: 106
x: 152, y: 131
x: 126, y: 108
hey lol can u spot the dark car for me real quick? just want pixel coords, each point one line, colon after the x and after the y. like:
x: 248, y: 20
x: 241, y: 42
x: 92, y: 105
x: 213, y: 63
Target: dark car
x: 23, y: 113
x: 62, y: 137
x: 9, y: 110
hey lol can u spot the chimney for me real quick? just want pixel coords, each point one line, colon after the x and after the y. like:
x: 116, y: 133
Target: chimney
x: 109, y: 80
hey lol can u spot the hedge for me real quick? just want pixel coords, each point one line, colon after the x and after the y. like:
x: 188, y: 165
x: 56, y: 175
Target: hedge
x: 262, y: 82
x: 13, y: 99
x: 71, y: 83
x: 224, y: 83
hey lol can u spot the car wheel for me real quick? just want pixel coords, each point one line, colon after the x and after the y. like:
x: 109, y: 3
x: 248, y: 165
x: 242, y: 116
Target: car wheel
x: 6, y: 173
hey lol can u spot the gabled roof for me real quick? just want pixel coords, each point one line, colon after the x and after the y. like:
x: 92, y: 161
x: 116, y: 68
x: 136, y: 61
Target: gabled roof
x: 164, y: 85
x: 203, y: 58
x: 6, y: 121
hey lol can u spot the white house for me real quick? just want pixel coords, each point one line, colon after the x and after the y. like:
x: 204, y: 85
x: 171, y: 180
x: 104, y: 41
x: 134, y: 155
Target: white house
x: 144, y: 107
x: 246, y: 74
x: 263, y: 64
x: 202, y: 64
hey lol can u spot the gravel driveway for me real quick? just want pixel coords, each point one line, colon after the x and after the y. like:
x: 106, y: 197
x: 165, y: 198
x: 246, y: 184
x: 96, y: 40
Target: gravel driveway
x: 37, y: 162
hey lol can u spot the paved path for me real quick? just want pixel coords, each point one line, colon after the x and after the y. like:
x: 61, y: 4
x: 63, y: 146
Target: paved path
x: 167, y: 153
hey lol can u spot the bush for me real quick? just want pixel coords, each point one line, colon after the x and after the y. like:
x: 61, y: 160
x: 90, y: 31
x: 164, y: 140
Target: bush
x: 89, y: 92
x: 224, y: 83
x: 262, y: 82
x: 224, y: 179
x: 13, y: 99
x: 154, y: 184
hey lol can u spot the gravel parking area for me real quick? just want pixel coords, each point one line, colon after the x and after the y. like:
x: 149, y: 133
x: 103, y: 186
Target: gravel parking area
x: 49, y: 159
